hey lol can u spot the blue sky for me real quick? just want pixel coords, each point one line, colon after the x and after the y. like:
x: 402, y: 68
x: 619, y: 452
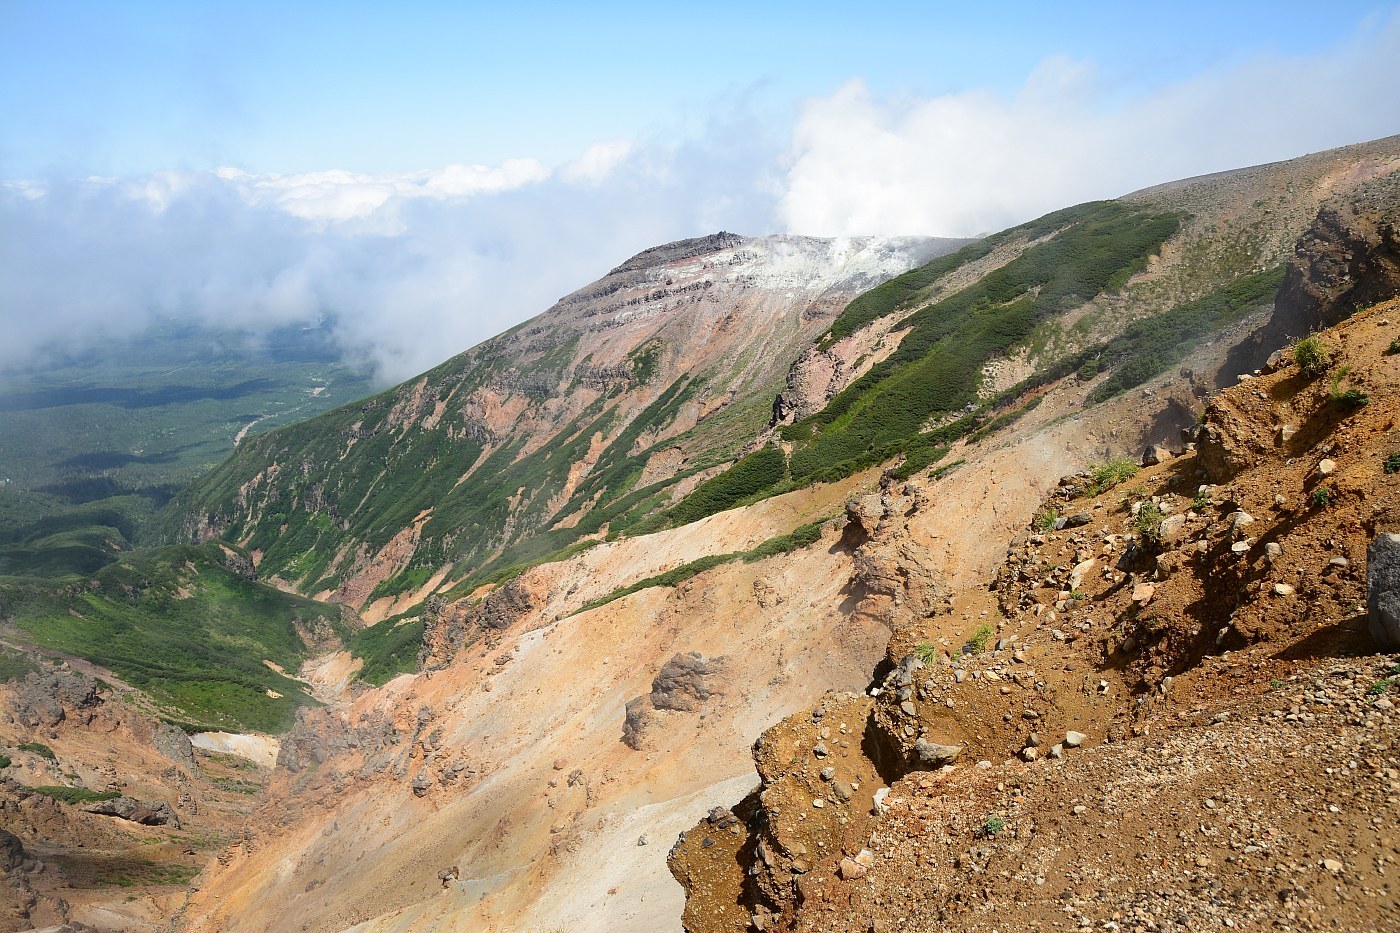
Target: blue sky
x: 424, y: 175
x: 132, y: 87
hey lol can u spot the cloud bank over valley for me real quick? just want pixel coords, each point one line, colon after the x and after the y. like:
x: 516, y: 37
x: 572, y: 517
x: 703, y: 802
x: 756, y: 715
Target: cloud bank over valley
x: 409, y: 269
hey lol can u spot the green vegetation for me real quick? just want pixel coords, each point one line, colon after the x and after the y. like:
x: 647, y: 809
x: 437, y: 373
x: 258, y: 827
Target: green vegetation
x: 760, y: 470
x: 1380, y: 686
x: 185, y: 628
x: 980, y: 638
x: 1321, y: 497
x: 1350, y: 398
x: 1313, y: 356
x: 91, y: 449
x: 1045, y: 519
x: 936, y: 370
x: 927, y: 652
x: 14, y: 666
x: 1004, y: 420
x: 903, y: 290
x: 1392, y: 464
x: 38, y: 748
x: 132, y: 872
x: 1147, y: 523
x: 1104, y: 476
x: 4, y: 762
x: 74, y: 794
x: 1150, y: 346
x: 798, y: 538
x: 1393, y: 348
x: 993, y: 825
x: 387, y: 649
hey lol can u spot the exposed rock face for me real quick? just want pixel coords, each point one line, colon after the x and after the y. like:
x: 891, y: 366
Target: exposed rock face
x: 46, y: 698
x: 448, y: 628
x: 891, y: 572
x: 147, y: 814
x: 1383, y: 591
x: 173, y: 743
x: 686, y: 682
x: 812, y: 381
x: 1348, y: 259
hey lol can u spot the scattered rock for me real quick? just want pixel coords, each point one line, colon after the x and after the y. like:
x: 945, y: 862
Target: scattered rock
x: 1074, y: 739
x: 935, y: 755
x: 851, y: 870
x: 1383, y: 590
x: 1154, y: 455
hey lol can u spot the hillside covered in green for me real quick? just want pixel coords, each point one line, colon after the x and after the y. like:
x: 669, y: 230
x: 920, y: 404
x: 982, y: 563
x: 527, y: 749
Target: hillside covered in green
x: 190, y: 628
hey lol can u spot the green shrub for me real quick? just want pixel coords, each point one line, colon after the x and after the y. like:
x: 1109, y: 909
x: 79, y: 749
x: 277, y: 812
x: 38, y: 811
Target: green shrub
x: 1322, y: 497
x: 978, y: 642
x: 74, y: 794
x: 1313, y: 356
x: 993, y: 825
x: 1147, y: 523
x: 1392, y: 464
x: 4, y: 762
x: 1110, y: 473
x: 927, y: 652
x: 1394, y: 347
x: 38, y: 748
x: 1045, y: 519
x: 754, y: 473
x: 936, y: 370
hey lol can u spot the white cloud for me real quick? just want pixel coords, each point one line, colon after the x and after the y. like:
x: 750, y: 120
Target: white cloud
x: 412, y: 268
x: 597, y: 162
x: 409, y: 269
x: 975, y: 162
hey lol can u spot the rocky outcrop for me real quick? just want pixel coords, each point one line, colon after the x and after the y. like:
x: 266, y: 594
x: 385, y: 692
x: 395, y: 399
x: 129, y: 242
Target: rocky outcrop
x: 684, y: 684
x: 136, y: 811
x: 172, y: 742
x: 812, y: 381
x: 1348, y: 259
x: 680, y: 249
x: 892, y: 575
x: 1383, y: 591
x: 449, y: 628
x: 47, y: 697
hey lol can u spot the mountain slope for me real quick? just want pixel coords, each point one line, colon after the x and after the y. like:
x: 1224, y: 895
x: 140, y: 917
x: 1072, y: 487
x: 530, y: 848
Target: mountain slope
x: 591, y: 416
x: 555, y: 728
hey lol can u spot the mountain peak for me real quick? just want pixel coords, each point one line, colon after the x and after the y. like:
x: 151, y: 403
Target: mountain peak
x: 680, y: 249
